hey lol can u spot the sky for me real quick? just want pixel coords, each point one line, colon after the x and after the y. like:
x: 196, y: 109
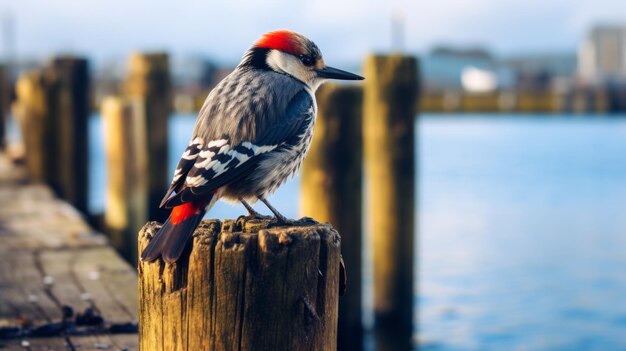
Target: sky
x: 344, y: 30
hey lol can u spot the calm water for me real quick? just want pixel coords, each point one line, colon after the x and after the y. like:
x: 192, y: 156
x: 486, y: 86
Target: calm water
x: 523, y: 233
x: 522, y: 230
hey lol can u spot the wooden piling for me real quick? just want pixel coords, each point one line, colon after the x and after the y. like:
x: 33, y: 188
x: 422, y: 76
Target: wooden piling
x: 331, y: 191
x: 243, y: 287
x: 4, y: 104
x: 127, y: 189
x: 73, y: 109
x: 390, y: 92
x: 149, y: 81
x: 32, y: 110
x: 53, y: 111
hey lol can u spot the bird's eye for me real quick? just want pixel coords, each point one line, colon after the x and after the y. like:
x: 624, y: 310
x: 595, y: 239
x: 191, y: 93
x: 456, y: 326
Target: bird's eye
x: 307, y: 60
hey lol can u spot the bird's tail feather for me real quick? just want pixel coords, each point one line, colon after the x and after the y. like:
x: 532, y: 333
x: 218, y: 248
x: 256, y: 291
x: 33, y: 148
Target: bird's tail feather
x: 170, y: 241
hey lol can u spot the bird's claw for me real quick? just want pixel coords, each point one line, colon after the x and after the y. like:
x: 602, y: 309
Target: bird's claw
x: 252, y: 215
x: 257, y: 216
x: 302, y: 222
x: 307, y: 221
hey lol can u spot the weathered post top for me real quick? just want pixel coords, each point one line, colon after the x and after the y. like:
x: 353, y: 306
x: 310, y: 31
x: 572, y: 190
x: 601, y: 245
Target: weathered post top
x: 243, y: 286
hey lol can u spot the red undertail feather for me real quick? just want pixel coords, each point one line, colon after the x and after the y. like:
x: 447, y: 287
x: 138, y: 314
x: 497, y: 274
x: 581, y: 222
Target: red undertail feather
x: 170, y: 241
x: 283, y: 40
x: 186, y: 210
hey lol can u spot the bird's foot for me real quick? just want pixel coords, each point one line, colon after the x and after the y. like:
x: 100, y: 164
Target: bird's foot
x: 252, y: 214
x: 284, y: 221
x: 256, y: 215
x: 280, y: 220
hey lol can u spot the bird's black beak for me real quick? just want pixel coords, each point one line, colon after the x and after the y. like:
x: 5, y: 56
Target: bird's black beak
x: 334, y: 73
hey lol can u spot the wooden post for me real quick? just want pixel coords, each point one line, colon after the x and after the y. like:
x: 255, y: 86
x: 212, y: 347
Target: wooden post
x: 127, y: 190
x: 390, y: 93
x: 243, y: 287
x: 331, y: 191
x: 72, y: 109
x: 53, y: 110
x: 34, y: 102
x: 149, y: 81
x: 4, y: 103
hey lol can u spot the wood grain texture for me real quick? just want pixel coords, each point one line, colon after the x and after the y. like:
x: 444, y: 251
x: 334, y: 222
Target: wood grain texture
x: 331, y: 191
x: 60, y: 283
x: 243, y: 286
x: 390, y: 94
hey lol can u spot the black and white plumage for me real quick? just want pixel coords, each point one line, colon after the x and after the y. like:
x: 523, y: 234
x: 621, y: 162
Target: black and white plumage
x: 251, y: 135
x: 220, y: 156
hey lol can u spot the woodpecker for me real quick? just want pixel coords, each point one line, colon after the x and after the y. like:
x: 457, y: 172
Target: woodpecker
x: 250, y: 136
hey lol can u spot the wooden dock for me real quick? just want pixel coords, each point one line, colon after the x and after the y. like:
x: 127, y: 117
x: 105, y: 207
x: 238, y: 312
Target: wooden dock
x: 62, y: 287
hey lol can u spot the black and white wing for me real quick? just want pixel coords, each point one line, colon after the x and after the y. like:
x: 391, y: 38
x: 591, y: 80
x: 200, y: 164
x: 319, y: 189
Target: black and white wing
x: 207, y: 165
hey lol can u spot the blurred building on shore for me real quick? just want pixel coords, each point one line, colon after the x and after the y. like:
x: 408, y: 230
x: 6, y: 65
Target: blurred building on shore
x: 602, y: 56
x: 602, y: 63
x: 476, y: 70
x: 475, y: 80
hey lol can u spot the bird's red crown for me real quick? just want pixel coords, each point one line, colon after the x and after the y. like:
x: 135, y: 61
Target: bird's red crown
x: 283, y: 40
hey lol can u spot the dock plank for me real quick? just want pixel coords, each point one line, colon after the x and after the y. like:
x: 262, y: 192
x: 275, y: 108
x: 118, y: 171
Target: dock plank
x: 62, y: 286
x: 24, y: 290
x: 125, y: 342
x: 100, y: 283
